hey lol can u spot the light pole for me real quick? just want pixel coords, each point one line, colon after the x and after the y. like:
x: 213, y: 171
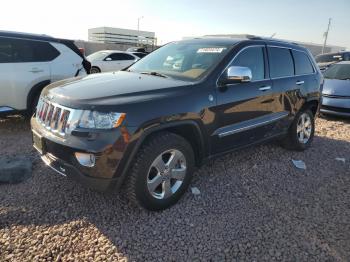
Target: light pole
x: 138, y: 28
x: 326, y: 35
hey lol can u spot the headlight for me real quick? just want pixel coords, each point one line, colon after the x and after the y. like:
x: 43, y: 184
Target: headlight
x: 100, y: 120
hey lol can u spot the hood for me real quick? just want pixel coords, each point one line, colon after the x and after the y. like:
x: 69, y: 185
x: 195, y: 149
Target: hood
x: 111, y: 89
x: 336, y: 87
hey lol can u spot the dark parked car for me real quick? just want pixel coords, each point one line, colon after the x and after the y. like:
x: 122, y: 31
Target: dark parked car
x: 146, y: 128
x: 325, y: 60
x: 136, y: 49
x: 336, y: 90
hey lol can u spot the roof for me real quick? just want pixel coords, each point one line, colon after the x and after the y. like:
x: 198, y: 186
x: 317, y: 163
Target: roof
x: 40, y: 37
x: 232, y: 41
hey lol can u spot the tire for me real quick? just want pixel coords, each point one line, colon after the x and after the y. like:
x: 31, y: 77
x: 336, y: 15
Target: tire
x: 95, y: 70
x: 32, y: 106
x: 294, y: 139
x: 155, y: 186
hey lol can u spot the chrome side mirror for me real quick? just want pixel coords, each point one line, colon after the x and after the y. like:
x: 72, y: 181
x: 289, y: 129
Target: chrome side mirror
x: 108, y: 59
x: 237, y: 74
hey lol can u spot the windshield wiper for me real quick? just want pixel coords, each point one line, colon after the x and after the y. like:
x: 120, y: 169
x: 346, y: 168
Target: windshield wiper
x: 153, y: 73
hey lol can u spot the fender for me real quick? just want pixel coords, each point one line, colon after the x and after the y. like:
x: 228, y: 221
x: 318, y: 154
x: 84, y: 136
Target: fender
x: 35, y: 90
x: 140, y: 136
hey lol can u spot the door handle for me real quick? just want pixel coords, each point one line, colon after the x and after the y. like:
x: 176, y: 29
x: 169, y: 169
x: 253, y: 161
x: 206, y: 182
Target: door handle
x: 264, y: 88
x: 300, y: 83
x: 36, y: 70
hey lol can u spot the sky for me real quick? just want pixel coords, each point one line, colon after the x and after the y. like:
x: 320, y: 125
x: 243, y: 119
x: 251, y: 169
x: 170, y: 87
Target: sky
x: 298, y: 20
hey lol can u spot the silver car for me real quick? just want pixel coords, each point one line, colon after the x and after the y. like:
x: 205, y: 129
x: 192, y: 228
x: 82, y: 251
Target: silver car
x: 336, y: 90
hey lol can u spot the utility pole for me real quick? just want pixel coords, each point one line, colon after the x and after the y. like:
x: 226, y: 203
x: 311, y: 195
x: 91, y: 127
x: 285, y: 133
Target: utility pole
x: 138, y: 28
x: 326, y: 35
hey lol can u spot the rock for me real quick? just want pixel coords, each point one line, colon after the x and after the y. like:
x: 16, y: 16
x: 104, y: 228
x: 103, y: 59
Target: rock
x: 299, y: 164
x: 15, y: 170
x: 341, y: 159
x: 195, y: 191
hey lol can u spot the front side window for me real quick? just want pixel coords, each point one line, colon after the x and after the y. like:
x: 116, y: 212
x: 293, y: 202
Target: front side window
x: 253, y: 58
x: 338, y: 71
x: 281, y: 62
x: 302, y: 63
x: 182, y: 60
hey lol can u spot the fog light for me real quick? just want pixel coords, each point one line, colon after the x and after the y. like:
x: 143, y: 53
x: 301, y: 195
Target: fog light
x: 84, y: 159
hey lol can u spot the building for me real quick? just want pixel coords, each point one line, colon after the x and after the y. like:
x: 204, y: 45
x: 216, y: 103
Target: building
x: 315, y: 49
x: 122, y: 36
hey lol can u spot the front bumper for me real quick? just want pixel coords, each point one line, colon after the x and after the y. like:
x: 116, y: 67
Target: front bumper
x: 66, y: 169
x: 108, y: 148
x: 335, y: 106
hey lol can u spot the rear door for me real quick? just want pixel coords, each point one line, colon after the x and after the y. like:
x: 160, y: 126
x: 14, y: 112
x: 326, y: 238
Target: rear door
x: 245, y: 109
x: 23, y: 64
x: 292, y: 75
x: 305, y: 72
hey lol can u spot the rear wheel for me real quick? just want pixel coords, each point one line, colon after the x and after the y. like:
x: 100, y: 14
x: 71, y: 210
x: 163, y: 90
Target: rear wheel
x: 161, y: 172
x: 301, y: 132
x: 95, y: 70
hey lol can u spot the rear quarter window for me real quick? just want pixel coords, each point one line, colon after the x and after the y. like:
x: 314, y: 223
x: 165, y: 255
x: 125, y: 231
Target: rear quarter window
x: 5, y: 50
x: 22, y: 51
x: 281, y: 62
x: 302, y: 63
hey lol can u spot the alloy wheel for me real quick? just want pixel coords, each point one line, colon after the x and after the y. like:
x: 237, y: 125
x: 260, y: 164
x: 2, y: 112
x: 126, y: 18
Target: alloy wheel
x: 304, y: 128
x: 166, y: 174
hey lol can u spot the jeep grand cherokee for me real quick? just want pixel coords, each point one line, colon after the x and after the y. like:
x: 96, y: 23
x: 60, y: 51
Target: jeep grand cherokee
x: 146, y: 128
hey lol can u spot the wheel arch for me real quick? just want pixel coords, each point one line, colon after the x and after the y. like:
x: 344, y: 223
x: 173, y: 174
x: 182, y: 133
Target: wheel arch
x: 313, y: 105
x: 188, y: 129
x: 35, y: 90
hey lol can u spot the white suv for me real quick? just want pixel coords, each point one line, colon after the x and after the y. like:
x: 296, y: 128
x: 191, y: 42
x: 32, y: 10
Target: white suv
x: 30, y: 62
x: 111, y: 60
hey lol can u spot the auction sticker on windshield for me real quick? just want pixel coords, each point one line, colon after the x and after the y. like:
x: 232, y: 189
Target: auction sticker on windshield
x: 211, y: 50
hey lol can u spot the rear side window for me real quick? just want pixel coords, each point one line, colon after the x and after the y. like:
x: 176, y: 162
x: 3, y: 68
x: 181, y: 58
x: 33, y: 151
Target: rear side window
x: 121, y: 56
x: 281, y: 62
x: 302, y: 63
x: 253, y: 58
x: 22, y: 51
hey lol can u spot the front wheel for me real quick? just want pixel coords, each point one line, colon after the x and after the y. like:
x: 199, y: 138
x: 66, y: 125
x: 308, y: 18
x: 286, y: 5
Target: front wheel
x: 301, y: 132
x: 161, y: 173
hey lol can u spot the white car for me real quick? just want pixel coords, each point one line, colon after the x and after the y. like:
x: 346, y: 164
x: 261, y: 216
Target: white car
x: 30, y: 62
x: 111, y: 60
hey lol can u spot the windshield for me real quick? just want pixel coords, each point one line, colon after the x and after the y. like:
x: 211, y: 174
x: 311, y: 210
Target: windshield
x: 184, y: 61
x: 97, y: 56
x: 329, y: 58
x: 338, y: 71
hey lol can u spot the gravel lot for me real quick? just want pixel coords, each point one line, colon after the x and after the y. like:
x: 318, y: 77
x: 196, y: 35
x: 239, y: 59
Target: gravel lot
x: 254, y: 205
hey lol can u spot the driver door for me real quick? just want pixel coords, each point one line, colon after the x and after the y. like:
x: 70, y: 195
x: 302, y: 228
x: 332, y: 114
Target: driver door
x: 243, y: 109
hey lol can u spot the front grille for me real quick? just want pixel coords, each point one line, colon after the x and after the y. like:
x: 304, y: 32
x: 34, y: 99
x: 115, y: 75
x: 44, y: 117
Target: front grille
x: 52, y: 116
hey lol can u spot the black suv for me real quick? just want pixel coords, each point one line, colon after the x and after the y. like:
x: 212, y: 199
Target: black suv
x: 146, y: 128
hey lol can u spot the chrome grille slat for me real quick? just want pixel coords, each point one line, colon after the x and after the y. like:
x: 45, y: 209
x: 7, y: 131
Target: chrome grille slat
x: 54, y: 117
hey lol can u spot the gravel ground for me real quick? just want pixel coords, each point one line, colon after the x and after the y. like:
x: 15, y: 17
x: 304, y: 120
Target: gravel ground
x: 253, y: 205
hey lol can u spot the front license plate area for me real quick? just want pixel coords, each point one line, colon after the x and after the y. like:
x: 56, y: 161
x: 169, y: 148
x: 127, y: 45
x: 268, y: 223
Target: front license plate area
x: 38, y: 143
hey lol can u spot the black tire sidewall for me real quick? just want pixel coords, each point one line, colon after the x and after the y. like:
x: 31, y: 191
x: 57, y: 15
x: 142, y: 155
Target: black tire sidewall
x: 143, y: 196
